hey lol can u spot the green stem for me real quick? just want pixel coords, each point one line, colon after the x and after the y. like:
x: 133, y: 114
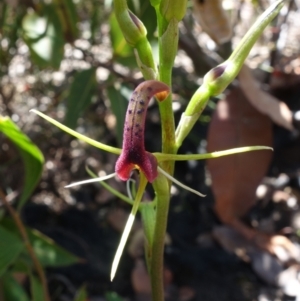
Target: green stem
x: 167, y: 39
x: 161, y: 187
x: 167, y: 121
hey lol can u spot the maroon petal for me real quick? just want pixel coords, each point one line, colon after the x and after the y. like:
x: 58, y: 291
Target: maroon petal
x: 133, y: 151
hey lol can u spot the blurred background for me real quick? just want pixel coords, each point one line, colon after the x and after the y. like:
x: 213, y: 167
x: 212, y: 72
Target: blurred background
x: 69, y: 60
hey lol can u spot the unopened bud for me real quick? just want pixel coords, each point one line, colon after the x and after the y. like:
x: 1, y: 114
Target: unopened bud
x: 132, y: 27
x: 217, y: 79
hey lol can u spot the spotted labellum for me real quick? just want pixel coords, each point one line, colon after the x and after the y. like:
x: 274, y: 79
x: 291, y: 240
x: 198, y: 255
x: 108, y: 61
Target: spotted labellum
x: 133, y: 153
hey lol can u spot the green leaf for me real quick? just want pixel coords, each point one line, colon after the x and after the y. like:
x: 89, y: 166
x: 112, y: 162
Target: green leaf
x: 44, y: 37
x: 32, y: 157
x: 119, y: 104
x: 48, y: 252
x: 68, y: 17
x: 81, y: 295
x: 10, y: 248
x: 112, y: 296
x: 81, y: 93
x: 12, y: 290
x: 37, y: 293
x: 148, y: 213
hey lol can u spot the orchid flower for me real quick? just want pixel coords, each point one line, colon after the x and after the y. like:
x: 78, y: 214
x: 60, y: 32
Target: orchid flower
x: 153, y: 167
x: 133, y: 154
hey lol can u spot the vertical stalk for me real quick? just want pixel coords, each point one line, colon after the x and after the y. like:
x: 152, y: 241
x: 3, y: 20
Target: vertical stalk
x: 165, y: 107
x: 161, y: 187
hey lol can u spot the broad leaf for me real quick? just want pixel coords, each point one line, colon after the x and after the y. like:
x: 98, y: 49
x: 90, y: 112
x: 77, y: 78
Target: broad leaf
x: 10, y: 248
x: 119, y: 103
x: 48, y: 252
x: 32, y: 157
x: 12, y: 290
x: 112, y: 296
x: 36, y: 289
x: 81, y: 93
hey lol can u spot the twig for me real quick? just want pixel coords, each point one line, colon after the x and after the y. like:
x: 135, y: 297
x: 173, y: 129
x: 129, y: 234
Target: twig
x: 23, y: 233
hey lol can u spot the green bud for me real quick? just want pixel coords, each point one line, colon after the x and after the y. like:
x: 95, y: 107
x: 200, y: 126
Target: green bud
x: 173, y: 9
x: 135, y: 34
x: 216, y: 80
x: 132, y: 27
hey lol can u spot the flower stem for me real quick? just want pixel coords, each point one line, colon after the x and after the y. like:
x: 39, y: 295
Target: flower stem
x: 161, y: 187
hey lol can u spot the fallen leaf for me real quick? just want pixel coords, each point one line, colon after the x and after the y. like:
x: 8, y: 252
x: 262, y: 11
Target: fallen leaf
x: 236, y: 123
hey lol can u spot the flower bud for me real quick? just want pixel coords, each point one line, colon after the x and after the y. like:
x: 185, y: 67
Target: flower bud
x: 132, y: 27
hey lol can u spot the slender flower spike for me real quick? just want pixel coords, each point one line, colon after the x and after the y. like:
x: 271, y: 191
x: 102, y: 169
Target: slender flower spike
x: 133, y: 153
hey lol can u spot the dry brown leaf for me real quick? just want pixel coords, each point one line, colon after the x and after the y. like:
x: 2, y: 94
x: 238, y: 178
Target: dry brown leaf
x: 213, y: 20
x: 265, y: 103
x: 236, y: 123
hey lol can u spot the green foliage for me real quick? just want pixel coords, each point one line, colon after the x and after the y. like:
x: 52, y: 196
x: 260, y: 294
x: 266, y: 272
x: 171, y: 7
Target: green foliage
x: 119, y: 103
x: 48, y: 252
x: 80, y: 96
x: 112, y: 296
x: 36, y: 289
x: 10, y: 248
x: 49, y: 29
x: 32, y: 157
x: 81, y: 295
x: 12, y: 290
